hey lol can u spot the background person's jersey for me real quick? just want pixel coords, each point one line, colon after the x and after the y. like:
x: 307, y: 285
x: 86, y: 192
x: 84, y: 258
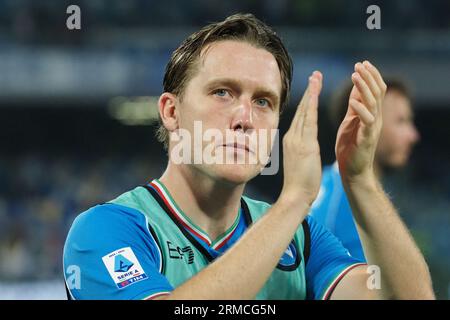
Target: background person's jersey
x: 142, y: 245
x: 332, y: 210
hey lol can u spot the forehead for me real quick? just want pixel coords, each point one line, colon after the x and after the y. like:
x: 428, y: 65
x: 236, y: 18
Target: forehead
x: 396, y: 103
x: 241, y: 61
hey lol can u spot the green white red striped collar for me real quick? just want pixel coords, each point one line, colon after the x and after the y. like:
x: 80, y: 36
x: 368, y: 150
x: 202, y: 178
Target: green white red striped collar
x: 187, y: 223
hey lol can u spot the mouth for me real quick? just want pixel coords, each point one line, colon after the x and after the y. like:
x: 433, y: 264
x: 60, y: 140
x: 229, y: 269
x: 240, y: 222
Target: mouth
x: 237, y: 146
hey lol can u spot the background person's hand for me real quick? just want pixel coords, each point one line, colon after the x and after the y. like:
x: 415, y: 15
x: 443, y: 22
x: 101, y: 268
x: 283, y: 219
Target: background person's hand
x: 359, y: 132
x: 301, y: 152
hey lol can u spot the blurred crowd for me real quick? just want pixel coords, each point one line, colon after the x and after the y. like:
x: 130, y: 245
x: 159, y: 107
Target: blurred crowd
x: 40, y: 196
x: 31, y: 20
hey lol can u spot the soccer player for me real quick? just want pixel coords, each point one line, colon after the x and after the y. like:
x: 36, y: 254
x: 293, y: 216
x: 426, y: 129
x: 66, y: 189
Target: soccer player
x: 398, y: 136
x: 191, y: 234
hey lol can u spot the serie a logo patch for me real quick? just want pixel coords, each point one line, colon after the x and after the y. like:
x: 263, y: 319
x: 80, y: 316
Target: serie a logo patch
x: 124, y: 268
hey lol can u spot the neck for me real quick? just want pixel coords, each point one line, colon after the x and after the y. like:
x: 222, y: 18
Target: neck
x: 212, y: 205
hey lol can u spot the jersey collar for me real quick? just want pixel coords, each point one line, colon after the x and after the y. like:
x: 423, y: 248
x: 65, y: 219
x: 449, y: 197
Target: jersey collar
x: 172, y: 208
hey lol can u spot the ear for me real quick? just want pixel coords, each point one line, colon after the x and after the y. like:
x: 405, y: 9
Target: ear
x: 167, y: 105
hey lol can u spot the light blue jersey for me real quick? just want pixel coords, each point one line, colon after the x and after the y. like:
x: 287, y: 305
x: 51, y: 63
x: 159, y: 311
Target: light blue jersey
x: 142, y: 245
x: 332, y: 210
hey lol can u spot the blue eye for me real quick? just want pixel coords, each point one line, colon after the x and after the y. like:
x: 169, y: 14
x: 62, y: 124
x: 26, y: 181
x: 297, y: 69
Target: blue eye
x: 221, y: 92
x: 262, y: 102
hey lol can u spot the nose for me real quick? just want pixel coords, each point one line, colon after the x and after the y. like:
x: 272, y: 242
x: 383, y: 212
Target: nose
x: 415, y: 135
x: 243, y: 116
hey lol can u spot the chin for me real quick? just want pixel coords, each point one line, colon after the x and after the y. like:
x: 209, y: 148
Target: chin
x: 398, y: 162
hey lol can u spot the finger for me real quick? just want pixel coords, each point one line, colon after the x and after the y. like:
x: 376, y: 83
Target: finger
x: 309, y: 130
x: 369, y: 79
x: 299, y: 113
x: 366, y: 95
x: 316, y: 83
x: 299, y: 116
x: 366, y: 117
x: 379, y: 79
x: 305, y: 103
x: 376, y: 75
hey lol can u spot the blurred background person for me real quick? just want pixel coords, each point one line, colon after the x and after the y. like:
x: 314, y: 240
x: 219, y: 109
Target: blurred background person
x: 398, y: 137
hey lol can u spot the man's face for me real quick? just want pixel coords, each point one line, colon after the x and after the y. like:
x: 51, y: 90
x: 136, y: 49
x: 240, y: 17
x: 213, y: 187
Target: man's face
x: 398, y: 134
x: 236, y: 87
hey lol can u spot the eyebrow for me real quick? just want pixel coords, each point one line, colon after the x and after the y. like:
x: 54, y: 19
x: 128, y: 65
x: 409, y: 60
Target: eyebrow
x: 237, y: 84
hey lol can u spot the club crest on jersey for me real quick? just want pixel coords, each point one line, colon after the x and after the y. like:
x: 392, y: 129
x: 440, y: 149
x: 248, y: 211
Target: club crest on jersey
x: 290, y: 259
x: 124, y: 268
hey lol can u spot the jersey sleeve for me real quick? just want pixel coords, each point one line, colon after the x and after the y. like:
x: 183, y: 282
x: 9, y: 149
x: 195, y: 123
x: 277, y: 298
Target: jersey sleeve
x: 328, y: 261
x: 111, y: 253
x: 332, y: 210
x: 326, y: 205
